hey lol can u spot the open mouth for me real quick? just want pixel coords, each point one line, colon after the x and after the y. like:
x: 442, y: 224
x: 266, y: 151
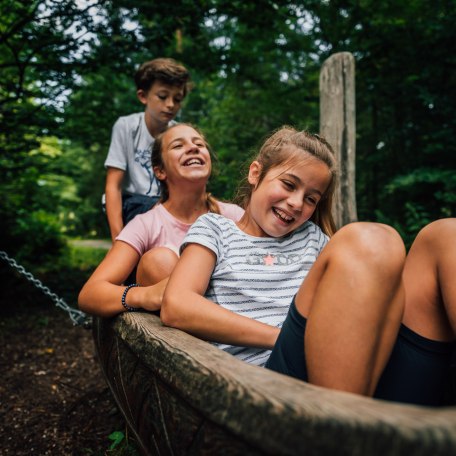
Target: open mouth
x: 281, y: 215
x: 193, y: 162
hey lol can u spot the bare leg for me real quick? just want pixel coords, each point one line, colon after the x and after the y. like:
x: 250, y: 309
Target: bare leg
x: 155, y: 265
x: 353, y: 300
x: 430, y: 283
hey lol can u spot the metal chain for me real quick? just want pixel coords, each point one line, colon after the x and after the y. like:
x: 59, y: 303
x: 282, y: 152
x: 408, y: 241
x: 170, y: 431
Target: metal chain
x: 78, y: 317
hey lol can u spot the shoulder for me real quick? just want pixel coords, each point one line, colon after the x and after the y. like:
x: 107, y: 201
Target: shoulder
x: 310, y: 230
x: 209, y: 230
x: 148, y: 218
x: 216, y: 218
x: 308, y: 227
x: 214, y: 223
x: 130, y: 120
x: 232, y: 211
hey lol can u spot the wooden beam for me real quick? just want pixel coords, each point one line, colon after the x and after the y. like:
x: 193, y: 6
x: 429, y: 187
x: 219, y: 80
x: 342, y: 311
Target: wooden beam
x: 337, y: 125
x: 181, y: 395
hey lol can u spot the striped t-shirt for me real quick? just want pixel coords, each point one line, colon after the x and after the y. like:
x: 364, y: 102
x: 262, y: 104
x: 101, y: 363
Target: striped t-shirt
x: 255, y: 276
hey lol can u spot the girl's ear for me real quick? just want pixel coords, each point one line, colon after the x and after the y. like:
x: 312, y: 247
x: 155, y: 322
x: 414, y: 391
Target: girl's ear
x: 142, y: 96
x: 254, y: 173
x: 160, y: 173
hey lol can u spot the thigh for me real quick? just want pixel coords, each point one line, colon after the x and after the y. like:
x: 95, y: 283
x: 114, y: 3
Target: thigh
x: 430, y: 306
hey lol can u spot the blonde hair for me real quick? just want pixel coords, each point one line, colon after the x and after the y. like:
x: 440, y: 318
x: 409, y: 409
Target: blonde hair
x: 275, y: 151
x: 157, y: 161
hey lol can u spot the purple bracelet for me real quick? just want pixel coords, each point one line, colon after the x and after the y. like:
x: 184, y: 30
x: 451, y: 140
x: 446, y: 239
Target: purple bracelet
x: 124, y: 295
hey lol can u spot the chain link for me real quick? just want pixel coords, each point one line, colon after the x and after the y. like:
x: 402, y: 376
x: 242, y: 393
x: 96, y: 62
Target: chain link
x: 78, y: 317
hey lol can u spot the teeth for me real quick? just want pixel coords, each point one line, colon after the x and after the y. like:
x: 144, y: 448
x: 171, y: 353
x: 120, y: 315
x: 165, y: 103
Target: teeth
x: 193, y: 161
x: 286, y: 218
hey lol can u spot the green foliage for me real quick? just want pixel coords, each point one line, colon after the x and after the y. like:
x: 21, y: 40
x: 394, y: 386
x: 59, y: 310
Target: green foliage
x: 83, y: 258
x: 39, y: 61
x: 405, y: 98
x: 121, y: 446
x: 421, y: 196
x: 67, y: 74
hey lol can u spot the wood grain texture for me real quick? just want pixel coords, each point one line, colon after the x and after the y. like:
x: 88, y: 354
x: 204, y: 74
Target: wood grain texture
x: 338, y: 126
x: 182, y: 395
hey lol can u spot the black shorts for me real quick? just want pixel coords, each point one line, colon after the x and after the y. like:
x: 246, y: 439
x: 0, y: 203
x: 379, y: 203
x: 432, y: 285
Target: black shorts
x: 133, y: 204
x: 419, y: 371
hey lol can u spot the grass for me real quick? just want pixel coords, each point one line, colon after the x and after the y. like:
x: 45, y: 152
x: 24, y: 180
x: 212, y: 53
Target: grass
x: 84, y: 258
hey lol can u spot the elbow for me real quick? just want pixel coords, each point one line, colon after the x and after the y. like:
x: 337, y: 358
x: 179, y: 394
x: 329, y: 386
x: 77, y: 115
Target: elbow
x: 82, y: 301
x: 169, y: 314
x: 86, y: 300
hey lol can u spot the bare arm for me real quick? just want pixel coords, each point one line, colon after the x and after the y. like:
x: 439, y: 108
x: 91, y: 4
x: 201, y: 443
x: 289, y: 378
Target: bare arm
x: 102, y: 293
x: 185, y: 307
x: 113, y: 191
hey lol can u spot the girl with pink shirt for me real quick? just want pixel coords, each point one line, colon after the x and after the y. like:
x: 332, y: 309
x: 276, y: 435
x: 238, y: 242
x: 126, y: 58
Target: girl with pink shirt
x: 181, y: 161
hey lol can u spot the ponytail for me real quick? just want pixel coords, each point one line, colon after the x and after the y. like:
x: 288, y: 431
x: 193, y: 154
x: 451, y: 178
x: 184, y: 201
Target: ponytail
x: 212, y: 204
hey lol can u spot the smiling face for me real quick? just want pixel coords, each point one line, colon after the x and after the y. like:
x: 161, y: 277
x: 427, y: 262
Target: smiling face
x: 286, y: 197
x: 162, y: 102
x: 185, y: 157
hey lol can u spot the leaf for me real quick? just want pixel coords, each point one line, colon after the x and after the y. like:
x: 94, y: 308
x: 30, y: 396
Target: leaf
x: 117, y: 437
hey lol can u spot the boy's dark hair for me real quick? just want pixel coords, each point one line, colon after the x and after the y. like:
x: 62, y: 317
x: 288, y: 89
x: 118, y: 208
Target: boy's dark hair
x: 165, y: 70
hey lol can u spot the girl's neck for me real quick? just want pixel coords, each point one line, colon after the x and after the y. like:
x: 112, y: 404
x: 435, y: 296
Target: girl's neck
x: 187, y: 207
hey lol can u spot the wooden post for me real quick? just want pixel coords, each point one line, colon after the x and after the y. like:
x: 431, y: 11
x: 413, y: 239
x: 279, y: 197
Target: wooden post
x: 337, y: 125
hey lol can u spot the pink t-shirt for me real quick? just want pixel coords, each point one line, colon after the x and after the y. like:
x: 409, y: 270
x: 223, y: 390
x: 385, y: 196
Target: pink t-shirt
x: 158, y: 228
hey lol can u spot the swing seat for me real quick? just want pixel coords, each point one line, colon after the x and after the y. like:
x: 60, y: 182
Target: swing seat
x: 181, y: 395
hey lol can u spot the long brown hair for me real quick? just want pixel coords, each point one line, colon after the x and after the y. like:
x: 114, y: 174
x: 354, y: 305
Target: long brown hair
x: 274, y: 152
x: 157, y: 161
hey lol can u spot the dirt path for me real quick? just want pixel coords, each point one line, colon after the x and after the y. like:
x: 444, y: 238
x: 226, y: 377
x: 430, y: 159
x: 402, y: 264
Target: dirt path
x: 53, y: 396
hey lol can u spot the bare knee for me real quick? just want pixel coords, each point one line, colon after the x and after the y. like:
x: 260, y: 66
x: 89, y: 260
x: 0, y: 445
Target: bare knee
x: 155, y: 265
x: 373, y: 244
x: 439, y: 232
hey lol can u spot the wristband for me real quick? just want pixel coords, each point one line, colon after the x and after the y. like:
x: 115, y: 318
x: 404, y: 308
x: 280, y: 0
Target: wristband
x: 124, y: 295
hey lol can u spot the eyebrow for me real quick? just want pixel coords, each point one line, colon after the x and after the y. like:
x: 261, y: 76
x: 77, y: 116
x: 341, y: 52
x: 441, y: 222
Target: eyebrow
x: 168, y: 91
x: 298, y: 180
x: 193, y: 139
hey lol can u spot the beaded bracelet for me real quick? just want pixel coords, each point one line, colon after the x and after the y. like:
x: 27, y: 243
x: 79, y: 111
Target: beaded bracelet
x: 124, y: 295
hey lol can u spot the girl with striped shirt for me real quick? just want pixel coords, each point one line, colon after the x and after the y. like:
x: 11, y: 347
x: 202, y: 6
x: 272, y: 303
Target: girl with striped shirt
x: 331, y: 310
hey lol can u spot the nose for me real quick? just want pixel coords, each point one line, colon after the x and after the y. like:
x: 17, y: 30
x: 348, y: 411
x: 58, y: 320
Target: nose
x: 296, y: 200
x: 192, y: 149
x: 170, y: 102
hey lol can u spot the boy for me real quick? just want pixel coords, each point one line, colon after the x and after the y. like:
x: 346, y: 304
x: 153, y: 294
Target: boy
x: 131, y: 187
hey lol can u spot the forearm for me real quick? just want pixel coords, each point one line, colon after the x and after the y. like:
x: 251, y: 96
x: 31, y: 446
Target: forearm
x: 101, y: 298
x: 114, y: 211
x: 207, y: 320
x: 113, y: 192
x: 104, y: 299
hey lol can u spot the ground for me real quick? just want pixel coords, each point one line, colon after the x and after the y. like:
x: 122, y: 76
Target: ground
x: 53, y: 397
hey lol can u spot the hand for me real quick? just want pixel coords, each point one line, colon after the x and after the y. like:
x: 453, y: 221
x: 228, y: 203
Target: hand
x: 152, y: 296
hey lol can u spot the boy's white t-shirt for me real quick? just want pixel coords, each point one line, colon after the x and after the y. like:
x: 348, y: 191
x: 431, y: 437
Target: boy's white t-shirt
x: 159, y: 228
x: 130, y: 150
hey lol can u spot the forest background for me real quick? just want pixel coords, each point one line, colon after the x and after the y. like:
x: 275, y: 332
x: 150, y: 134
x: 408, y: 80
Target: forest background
x: 66, y: 74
